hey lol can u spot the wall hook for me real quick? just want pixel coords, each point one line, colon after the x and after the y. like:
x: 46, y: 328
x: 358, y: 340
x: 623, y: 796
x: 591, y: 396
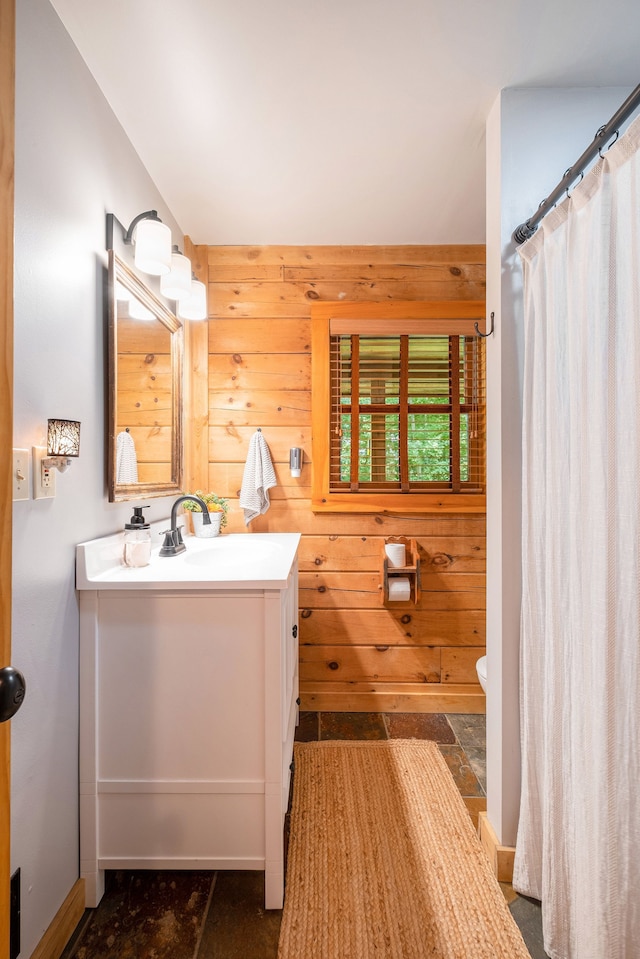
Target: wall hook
x: 484, y: 335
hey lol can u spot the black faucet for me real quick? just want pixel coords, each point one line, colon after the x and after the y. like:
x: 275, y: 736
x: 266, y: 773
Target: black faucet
x: 173, y: 544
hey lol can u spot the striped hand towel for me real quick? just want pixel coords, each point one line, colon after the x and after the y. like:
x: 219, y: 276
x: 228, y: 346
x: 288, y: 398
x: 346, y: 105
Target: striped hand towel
x: 259, y: 476
x: 126, y: 460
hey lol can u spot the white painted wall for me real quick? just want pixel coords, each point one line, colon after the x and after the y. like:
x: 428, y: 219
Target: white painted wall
x: 73, y: 165
x: 533, y: 136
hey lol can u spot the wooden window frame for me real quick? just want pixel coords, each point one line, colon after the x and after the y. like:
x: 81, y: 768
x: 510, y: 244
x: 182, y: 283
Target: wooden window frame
x: 379, y: 319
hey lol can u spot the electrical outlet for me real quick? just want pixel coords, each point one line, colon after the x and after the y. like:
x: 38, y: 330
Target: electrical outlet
x: 44, y: 480
x: 20, y: 474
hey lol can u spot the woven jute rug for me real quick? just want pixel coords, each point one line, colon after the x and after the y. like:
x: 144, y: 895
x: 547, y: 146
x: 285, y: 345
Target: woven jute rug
x: 384, y: 862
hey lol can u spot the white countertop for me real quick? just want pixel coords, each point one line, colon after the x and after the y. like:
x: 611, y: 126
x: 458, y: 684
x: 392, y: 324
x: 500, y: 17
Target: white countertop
x: 227, y: 561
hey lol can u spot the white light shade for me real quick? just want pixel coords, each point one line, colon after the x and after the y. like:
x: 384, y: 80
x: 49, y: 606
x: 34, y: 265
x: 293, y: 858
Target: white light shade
x: 122, y: 293
x: 194, y: 307
x: 153, y: 247
x: 176, y: 285
x: 138, y: 311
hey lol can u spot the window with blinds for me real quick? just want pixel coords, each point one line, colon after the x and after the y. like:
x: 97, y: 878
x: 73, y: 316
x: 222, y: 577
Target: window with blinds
x: 398, y: 406
x: 406, y: 413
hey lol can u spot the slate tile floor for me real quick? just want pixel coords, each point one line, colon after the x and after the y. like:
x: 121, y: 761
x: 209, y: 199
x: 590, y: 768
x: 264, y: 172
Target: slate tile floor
x: 231, y: 920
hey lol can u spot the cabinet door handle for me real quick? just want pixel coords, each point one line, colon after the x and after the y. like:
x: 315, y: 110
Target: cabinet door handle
x: 294, y: 632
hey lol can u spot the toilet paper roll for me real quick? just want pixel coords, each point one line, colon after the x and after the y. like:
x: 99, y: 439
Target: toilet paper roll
x: 396, y: 554
x: 399, y: 589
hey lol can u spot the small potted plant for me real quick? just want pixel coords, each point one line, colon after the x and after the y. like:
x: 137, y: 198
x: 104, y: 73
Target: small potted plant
x: 217, y: 507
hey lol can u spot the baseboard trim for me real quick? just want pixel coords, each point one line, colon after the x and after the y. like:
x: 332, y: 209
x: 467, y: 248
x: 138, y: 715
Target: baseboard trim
x: 500, y: 857
x: 62, y: 926
x: 392, y: 697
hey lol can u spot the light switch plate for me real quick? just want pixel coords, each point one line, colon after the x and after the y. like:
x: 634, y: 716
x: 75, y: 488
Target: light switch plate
x: 44, y: 481
x: 20, y: 474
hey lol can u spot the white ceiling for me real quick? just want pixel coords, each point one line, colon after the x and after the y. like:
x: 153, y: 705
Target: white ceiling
x: 335, y: 121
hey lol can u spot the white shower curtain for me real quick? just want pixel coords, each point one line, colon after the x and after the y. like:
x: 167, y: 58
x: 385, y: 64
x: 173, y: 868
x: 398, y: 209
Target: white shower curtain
x: 578, y: 845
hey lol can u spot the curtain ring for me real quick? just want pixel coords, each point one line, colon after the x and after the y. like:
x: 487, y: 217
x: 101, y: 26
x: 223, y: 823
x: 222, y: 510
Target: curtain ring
x: 579, y: 181
x: 609, y: 144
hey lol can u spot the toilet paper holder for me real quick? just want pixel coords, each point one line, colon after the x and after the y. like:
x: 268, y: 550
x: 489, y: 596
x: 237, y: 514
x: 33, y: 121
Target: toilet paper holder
x: 410, y: 571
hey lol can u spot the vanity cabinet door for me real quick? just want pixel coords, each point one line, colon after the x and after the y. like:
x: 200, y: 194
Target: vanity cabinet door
x: 180, y: 691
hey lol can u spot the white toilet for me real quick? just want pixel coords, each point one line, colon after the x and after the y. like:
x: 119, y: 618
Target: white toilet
x: 481, y: 669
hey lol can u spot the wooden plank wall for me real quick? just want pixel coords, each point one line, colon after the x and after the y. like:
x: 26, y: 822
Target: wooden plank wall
x: 354, y: 653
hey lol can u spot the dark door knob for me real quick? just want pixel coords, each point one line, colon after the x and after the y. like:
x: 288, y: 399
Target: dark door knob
x: 12, y: 692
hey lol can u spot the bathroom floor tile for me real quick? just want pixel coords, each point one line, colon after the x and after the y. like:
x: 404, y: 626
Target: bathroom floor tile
x: 308, y: 728
x: 477, y: 758
x: 528, y: 916
x: 78, y: 933
x: 237, y: 925
x: 147, y: 915
x: 463, y: 774
x: 470, y: 729
x: 433, y: 726
x: 352, y: 726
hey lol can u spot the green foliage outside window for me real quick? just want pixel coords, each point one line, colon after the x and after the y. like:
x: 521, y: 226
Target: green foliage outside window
x: 428, y: 451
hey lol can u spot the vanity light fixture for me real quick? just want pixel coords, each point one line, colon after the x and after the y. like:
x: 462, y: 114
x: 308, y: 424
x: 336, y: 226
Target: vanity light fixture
x: 155, y: 255
x: 152, y: 240
x: 63, y: 444
x: 194, y: 306
x: 176, y: 285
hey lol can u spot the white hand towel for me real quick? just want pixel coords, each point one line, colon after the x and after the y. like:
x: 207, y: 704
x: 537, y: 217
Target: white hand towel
x: 259, y: 476
x: 126, y: 459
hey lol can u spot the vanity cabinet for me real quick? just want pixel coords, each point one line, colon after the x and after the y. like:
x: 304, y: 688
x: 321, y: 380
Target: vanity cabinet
x: 188, y: 712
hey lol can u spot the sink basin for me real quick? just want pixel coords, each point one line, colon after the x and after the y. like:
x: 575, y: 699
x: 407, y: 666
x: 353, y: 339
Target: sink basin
x: 229, y: 561
x: 233, y: 555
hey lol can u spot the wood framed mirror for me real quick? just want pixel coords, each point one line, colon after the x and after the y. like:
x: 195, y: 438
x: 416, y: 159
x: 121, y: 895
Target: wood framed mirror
x: 144, y: 445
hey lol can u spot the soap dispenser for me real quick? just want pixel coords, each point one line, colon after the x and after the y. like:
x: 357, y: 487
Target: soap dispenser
x: 137, y: 540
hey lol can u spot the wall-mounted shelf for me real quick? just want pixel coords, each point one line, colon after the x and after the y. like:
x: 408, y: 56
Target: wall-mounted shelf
x: 410, y: 571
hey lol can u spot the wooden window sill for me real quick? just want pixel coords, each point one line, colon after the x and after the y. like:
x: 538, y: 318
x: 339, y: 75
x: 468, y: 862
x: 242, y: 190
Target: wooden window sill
x: 405, y: 503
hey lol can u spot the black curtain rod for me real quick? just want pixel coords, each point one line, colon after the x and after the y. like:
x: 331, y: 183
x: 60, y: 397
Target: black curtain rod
x: 602, y: 137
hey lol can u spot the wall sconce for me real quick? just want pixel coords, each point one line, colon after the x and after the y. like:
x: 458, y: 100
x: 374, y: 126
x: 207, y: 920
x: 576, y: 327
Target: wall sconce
x: 155, y: 255
x: 295, y: 460
x: 63, y: 443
